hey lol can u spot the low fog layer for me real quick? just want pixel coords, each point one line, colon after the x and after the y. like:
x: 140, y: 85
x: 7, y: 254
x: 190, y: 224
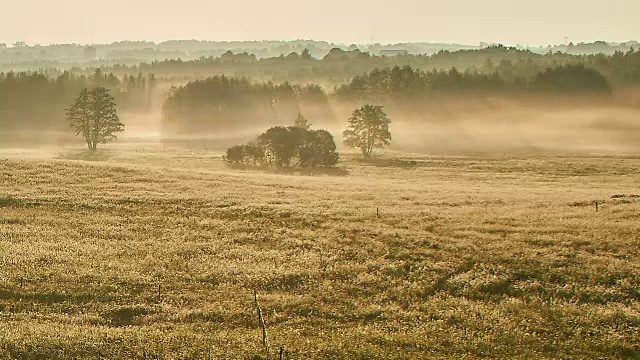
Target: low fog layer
x: 596, y: 131
x: 493, y: 101
x: 512, y: 129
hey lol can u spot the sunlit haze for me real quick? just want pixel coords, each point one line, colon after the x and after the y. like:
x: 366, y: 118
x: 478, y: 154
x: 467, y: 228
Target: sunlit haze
x: 354, y: 21
x: 319, y: 179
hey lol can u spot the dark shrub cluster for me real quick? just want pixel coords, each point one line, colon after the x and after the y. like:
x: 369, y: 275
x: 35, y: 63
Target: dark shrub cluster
x: 285, y: 147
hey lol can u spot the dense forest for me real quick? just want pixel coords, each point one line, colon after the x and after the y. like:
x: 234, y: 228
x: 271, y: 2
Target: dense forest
x: 223, y: 103
x: 410, y: 85
x: 314, y: 62
x: 337, y: 66
x: 236, y: 91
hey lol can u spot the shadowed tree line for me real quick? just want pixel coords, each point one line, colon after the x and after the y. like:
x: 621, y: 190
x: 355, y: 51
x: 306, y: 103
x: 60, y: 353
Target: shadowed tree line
x: 339, y: 66
x: 228, y: 103
x: 223, y: 103
x: 408, y: 84
x: 33, y: 101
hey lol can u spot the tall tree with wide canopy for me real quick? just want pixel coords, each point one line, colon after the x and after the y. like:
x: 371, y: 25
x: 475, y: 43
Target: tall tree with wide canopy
x: 93, y: 115
x: 368, y: 129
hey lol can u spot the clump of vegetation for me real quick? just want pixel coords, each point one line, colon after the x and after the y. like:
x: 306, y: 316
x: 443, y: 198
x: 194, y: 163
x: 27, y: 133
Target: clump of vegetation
x: 285, y: 147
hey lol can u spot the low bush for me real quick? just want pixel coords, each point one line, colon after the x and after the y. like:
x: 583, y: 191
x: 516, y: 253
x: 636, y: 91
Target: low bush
x: 285, y: 147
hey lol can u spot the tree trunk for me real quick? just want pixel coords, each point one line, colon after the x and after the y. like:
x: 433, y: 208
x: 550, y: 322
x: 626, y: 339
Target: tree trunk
x: 365, y: 153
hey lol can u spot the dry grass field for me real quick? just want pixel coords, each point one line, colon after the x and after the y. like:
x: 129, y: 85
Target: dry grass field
x: 154, y: 252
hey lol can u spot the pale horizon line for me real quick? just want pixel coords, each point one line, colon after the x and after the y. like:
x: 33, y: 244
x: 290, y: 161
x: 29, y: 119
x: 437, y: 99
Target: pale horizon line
x: 338, y: 43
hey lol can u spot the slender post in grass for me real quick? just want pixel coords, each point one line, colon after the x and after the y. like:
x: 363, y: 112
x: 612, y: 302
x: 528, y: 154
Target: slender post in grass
x: 265, y: 340
x: 21, y: 283
x: 378, y: 212
x: 596, y: 206
x: 281, y: 352
x: 159, y: 296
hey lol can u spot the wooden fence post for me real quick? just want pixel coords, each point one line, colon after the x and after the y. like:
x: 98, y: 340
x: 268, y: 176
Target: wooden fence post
x: 265, y: 340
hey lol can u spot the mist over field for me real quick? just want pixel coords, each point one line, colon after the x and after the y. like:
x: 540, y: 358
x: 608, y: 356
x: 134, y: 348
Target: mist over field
x: 487, y: 100
x: 495, y: 127
x: 437, y: 180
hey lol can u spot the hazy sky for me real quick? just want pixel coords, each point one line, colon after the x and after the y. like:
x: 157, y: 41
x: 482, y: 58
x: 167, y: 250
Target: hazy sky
x: 342, y: 21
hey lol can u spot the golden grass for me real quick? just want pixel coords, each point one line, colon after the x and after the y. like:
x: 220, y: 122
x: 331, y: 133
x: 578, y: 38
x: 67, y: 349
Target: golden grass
x: 475, y: 257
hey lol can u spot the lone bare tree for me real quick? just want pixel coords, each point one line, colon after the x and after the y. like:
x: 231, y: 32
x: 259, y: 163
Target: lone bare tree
x: 368, y: 128
x: 93, y: 115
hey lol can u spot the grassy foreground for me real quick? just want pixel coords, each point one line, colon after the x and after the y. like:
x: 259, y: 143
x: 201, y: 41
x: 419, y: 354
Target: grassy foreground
x: 155, y: 253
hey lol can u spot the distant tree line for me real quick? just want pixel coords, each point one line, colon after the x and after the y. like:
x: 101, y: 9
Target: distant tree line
x: 408, y: 84
x: 135, y: 52
x: 339, y: 66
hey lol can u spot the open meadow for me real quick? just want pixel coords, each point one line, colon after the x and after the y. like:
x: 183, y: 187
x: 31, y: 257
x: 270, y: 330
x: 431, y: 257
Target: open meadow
x: 152, y: 251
